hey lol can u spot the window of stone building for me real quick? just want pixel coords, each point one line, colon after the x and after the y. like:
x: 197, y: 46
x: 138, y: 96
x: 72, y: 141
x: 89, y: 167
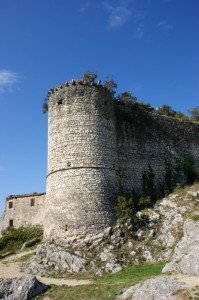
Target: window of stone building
x: 68, y: 164
x: 32, y: 202
x: 11, y: 223
x: 10, y: 205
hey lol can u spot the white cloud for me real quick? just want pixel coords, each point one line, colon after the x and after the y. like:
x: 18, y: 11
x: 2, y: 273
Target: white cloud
x: 117, y: 15
x: 164, y: 25
x: 7, y: 80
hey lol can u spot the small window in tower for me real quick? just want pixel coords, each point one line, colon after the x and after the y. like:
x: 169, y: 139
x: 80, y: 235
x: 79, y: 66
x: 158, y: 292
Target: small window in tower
x: 32, y: 202
x: 10, y: 204
x: 68, y: 164
x: 59, y: 102
x: 11, y: 223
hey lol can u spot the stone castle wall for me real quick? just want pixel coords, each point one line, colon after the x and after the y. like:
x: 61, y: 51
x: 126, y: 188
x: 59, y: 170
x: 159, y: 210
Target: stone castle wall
x: 146, y: 139
x: 83, y: 178
x: 23, y: 210
x: 97, y: 150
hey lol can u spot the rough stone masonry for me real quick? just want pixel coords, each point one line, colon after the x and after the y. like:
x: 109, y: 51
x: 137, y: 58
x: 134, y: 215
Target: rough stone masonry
x: 97, y: 150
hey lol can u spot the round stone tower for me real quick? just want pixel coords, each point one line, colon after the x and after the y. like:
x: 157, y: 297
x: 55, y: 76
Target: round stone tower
x: 82, y: 180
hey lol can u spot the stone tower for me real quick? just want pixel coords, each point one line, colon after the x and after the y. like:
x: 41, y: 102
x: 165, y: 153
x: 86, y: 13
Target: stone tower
x: 82, y: 178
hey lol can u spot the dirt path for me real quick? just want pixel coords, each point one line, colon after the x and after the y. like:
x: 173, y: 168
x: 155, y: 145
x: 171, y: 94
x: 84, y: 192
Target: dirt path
x: 189, y: 281
x: 10, y: 267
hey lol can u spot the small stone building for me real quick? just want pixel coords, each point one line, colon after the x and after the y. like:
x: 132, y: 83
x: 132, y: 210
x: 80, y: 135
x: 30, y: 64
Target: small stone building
x: 23, y: 210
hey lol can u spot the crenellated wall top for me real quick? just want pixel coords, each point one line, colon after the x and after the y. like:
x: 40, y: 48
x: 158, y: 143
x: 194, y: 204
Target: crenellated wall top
x: 76, y: 82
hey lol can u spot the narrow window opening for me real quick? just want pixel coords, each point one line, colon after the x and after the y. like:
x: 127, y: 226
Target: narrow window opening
x: 59, y: 102
x: 32, y: 202
x: 68, y: 164
x: 10, y: 204
x: 66, y: 227
x: 11, y: 223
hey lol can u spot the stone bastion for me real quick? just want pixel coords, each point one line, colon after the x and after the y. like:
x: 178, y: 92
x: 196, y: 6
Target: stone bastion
x: 99, y: 149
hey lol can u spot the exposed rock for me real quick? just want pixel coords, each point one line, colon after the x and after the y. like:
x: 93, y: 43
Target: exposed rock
x: 49, y: 259
x: 151, y: 239
x: 23, y: 288
x: 160, y: 288
x: 186, y: 256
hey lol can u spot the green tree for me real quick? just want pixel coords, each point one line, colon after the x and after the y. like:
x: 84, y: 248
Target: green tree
x: 89, y: 76
x: 124, y: 209
x: 145, y: 106
x: 45, y: 105
x: 194, y: 113
x: 166, y: 110
x: 127, y: 98
x: 110, y: 84
x: 180, y: 116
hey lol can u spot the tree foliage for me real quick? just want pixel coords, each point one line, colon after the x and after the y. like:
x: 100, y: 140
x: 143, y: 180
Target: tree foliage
x: 45, y: 105
x: 89, y: 76
x: 166, y: 110
x: 127, y: 98
x: 12, y: 239
x: 145, y: 106
x: 124, y: 209
x: 110, y: 84
x: 180, y: 116
x: 194, y: 113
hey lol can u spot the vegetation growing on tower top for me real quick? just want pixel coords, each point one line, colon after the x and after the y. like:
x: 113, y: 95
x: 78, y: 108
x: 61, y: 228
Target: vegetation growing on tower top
x: 127, y: 99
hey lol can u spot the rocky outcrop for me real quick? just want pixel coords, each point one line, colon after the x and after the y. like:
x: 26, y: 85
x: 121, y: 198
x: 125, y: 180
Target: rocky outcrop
x: 160, y: 288
x: 24, y: 288
x: 150, y: 239
x: 186, y: 256
x: 91, y: 254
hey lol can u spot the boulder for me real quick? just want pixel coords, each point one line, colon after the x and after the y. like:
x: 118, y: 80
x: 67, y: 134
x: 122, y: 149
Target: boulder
x: 186, y: 259
x: 50, y: 258
x: 23, y: 288
x: 159, y: 288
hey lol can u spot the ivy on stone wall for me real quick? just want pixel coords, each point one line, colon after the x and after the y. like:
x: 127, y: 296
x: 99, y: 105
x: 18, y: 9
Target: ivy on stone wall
x: 170, y: 178
x: 124, y: 209
x: 183, y: 173
x: 148, y: 182
x: 187, y: 166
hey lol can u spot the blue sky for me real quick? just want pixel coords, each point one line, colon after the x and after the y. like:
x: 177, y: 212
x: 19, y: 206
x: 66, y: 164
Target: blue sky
x: 151, y: 47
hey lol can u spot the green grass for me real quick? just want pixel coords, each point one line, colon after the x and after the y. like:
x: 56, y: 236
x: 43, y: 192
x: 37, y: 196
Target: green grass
x: 105, y: 287
x: 182, y: 190
x: 25, y: 257
x: 194, y: 217
x: 13, y: 239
